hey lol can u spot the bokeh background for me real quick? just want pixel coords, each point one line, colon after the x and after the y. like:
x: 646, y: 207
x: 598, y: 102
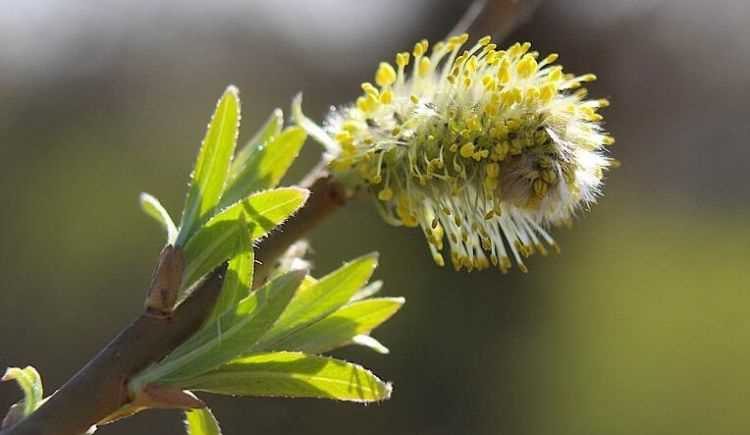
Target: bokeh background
x: 641, y: 326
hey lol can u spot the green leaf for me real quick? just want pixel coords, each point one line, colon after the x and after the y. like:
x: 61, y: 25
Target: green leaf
x: 31, y: 383
x: 270, y: 129
x: 201, y: 422
x: 342, y: 326
x: 215, y: 242
x: 212, y: 165
x: 153, y: 208
x: 317, y: 133
x: 294, y: 374
x: 372, y: 343
x: 264, y: 168
x: 238, y: 279
x: 232, y: 334
x: 319, y: 300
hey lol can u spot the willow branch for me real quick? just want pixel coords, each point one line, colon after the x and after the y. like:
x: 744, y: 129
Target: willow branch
x: 100, y: 388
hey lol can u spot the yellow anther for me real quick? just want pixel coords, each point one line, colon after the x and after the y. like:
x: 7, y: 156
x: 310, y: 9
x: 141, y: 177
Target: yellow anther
x: 484, y: 40
x: 344, y: 137
x: 385, y: 194
x: 550, y: 59
x: 424, y: 67
x: 420, y: 48
x: 370, y: 90
x: 608, y: 140
x: 414, y: 99
x: 350, y: 126
x: 402, y: 59
x: 481, y: 154
x: 471, y: 65
x: 548, y: 92
x: 527, y: 67
x: 386, y: 97
x: 587, y: 78
x: 488, y: 82
x: 467, y: 150
x: 385, y: 75
x: 532, y: 94
x: 438, y: 259
x: 366, y: 104
x: 555, y: 73
x: 503, y: 74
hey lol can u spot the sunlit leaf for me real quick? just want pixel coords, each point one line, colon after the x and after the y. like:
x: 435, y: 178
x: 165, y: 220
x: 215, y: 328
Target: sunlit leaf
x: 212, y: 166
x: 294, y: 374
x: 31, y: 384
x: 340, y: 327
x: 215, y: 242
x: 270, y: 129
x: 232, y: 334
x: 319, y: 300
x: 239, y: 275
x: 153, y: 208
x: 370, y: 342
x: 201, y: 422
x: 266, y: 165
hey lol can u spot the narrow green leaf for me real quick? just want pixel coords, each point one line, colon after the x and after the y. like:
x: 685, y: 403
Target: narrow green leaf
x: 270, y: 129
x: 239, y: 276
x: 212, y: 166
x: 340, y: 327
x: 294, y: 374
x: 267, y: 164
x: 215, y: 242
x: 232, y: 334
x: 371, y: 289
x: 319, y: 300
x: 317, y: 133
x: 31, y: 384
x: 201, y: 422
x: 153, y: 208
x: 371, y: 342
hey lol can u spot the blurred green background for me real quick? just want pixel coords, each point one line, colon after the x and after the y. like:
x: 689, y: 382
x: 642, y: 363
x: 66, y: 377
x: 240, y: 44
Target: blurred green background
x: 640, y: 326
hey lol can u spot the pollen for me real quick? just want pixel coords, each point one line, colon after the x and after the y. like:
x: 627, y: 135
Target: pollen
x: 484, y: 149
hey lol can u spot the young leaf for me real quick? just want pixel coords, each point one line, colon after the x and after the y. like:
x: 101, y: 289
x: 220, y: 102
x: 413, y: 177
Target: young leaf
x: 270, y: 129
x: 153, y: 208
x: 201, y: 422
x: 31, y: 383
x: 215, y: 242
x: 319, y: 300
x: 265, y: 166
x: 232, y: 334
x: 372, y: 343
x: 239, y: 276
x: 294, y: 374
x: 342, y: 326
x: 212, y: 165
x: 332, y: 147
